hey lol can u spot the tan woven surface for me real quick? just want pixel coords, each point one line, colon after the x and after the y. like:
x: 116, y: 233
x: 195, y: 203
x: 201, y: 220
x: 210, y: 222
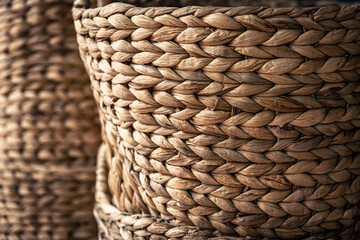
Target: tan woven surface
x: 234, y: 3
x: 48, y: 129
x: 114, y: 224
x: 240, y: 120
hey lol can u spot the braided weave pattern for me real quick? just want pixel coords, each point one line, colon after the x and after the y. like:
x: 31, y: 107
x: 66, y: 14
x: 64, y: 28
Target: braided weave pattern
x: 114, y: 224
x: 48, y: 125
x: 244, y: 120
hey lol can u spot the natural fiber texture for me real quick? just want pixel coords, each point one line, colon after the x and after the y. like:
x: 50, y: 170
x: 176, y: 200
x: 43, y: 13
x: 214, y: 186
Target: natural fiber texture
x: 182, y: 3
x: 242, y: 120
x: 234, y: 3
x: 114, y: 224
x: 48, y: 125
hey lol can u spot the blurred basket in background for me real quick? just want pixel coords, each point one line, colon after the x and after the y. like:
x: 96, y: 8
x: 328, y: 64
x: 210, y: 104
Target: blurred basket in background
x: 241, y: 121
x: 49, y: 131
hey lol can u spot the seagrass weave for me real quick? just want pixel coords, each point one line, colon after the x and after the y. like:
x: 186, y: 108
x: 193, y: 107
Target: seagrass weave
x: 241, y: 121
x: 114, y: 224
x: 48, y: 125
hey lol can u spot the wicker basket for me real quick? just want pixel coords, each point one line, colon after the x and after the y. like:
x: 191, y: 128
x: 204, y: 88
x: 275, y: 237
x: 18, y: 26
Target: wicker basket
x: 48, y: 125
x: 241, y: 121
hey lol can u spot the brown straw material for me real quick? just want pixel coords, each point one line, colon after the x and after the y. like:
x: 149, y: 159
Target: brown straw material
x: 48, y: 125
x: 114, y: 224
x: 241, y: 121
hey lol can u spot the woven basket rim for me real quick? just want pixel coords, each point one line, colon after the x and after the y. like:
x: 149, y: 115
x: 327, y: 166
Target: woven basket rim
x: 126, y: 6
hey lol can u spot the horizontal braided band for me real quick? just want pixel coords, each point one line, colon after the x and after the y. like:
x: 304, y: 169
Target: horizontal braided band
x: 114, y: 224
x: 229, y: 3
x: 243, y: 120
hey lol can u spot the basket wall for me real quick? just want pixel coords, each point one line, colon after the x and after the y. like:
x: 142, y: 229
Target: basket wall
x: 241, y: 121
x: 48, y: 125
